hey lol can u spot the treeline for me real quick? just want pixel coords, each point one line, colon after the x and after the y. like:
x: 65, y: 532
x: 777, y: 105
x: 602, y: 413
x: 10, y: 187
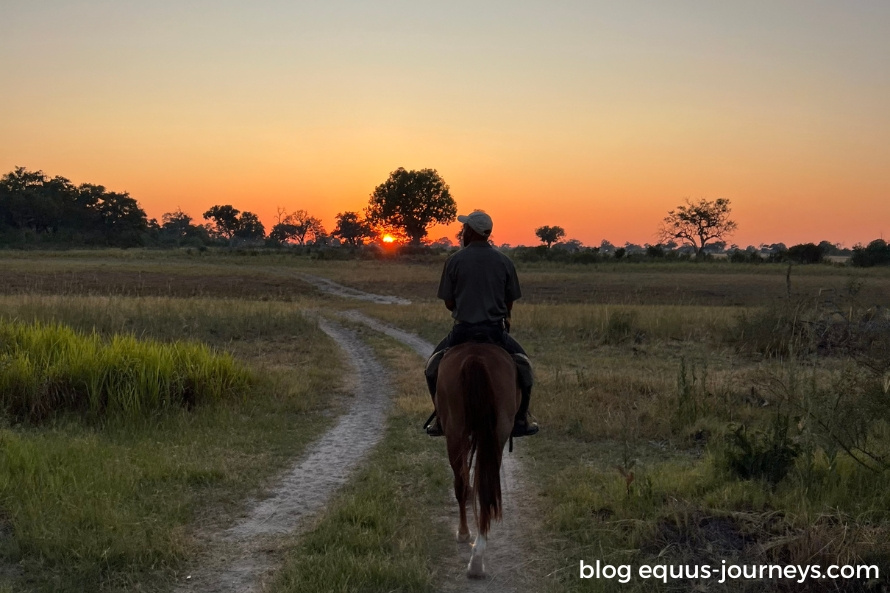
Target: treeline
x: 875, y: 253
x: 36, y: 209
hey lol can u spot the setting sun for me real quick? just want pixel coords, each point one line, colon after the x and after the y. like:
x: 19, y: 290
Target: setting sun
x: 388, y: 239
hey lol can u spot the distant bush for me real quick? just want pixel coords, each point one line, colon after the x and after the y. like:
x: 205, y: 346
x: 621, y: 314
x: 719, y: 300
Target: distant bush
x: 655, y: 251
x: 46, y: 369
x: 806, y: 253
x: 877, y: 253
x: 541, y: 253
x: 740, y: 256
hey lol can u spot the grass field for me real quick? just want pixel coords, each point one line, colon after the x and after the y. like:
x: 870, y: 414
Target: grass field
x: 111, y: 503
x: 691, y: 414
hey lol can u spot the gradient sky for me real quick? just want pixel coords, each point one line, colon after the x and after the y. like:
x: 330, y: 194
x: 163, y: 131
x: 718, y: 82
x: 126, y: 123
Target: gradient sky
x: 595, y: 116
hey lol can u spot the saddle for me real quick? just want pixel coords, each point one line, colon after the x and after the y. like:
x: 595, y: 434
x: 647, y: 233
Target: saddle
x: 480, y: 333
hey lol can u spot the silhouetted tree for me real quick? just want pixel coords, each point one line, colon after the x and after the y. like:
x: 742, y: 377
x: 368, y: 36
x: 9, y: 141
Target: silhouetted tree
x: 225, y: 220
x: 698, y: 223
x: 283, y: 233
x: 306, y: 227
x: 177, y: 227
x: 123, y: 220
x: 806, y: 253
x: 412, y: 201
x: 32, y: 201
x: 250, y: 227
x: 550, y: 234
x: 876, y: 253
x: 351, y: 229
x: 570, y: 246
x: 29, y: 200
x: 298, y: 227
x: 176, y: 224
x: 447, y: 243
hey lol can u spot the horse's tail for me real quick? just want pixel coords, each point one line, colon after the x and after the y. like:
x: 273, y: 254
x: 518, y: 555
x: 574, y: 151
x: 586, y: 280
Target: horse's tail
x: 482, y: 423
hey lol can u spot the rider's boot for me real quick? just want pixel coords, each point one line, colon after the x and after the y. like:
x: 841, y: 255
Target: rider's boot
x: 431, y: 373
x: 522, y: 425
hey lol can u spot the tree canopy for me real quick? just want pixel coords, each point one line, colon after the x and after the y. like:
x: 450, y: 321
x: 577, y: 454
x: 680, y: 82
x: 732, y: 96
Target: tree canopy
x: 177, y: 228
x: 412, y: 201
x: 550, y: 234
x: 298, y: 226
x: 351, y: 229
x: 698, y: 223
x: 230, y: 223
x: 33, y: 204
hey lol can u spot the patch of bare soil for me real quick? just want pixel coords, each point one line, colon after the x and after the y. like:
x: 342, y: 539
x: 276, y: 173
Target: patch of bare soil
x: 510, y: 556
x: 242, y: 558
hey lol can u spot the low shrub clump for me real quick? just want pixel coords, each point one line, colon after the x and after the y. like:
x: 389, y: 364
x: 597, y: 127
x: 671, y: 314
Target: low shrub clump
x: 49, y: 368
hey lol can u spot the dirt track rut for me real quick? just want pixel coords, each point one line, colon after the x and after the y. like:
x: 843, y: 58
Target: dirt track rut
x: 332, y: 288
x: 242, y: 558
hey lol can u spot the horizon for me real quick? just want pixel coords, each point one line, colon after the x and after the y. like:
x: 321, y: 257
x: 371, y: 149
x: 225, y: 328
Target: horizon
x: 595, y: 117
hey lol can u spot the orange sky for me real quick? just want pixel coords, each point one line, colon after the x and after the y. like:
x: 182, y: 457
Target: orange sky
x: 588, y: 115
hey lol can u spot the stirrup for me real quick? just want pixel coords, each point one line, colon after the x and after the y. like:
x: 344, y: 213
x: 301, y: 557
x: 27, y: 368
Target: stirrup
x: 525, y: 428
x: 435, y: 429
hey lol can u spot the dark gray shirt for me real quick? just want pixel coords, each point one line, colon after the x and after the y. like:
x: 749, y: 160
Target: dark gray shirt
x: 481, y: 281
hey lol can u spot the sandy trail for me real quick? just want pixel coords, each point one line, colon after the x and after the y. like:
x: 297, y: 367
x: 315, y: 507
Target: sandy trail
x: 242, y: 558
x: 509, y: 559
x: 330, y: 287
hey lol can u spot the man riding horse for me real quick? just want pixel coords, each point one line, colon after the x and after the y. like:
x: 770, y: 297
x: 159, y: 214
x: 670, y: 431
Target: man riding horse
x: 479, y: 286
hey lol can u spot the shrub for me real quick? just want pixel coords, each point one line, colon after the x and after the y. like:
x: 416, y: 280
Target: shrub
x: 877, y: 253
x: 766, y: 455
x: 806, y: 253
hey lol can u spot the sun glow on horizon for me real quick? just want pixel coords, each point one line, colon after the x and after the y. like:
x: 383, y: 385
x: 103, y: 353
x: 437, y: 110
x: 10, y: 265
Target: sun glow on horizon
x: 388, y: 239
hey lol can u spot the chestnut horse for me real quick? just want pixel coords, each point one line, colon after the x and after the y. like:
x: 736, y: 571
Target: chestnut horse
x: 477, y: 397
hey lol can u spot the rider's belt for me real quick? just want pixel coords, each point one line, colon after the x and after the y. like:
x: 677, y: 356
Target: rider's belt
x: 480, y: 324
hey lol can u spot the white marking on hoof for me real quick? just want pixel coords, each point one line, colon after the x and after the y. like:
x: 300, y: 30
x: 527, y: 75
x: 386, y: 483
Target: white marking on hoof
x: 476, y: 567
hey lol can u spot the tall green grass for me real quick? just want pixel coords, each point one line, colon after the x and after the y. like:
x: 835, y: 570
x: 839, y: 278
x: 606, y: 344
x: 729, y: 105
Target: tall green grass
x: 49, y: 368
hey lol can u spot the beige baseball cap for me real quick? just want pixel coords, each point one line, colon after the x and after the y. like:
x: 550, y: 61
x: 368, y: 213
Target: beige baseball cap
x: 479, y: 221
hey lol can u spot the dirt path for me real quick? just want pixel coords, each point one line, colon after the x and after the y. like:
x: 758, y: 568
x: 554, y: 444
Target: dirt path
x: 332, y: 288
x: 242, y: 558
x: 510, y: 554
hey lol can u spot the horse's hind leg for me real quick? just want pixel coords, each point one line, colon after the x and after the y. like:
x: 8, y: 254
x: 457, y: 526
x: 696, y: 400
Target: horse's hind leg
x: 476, y: 567
x: 461, y: 489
